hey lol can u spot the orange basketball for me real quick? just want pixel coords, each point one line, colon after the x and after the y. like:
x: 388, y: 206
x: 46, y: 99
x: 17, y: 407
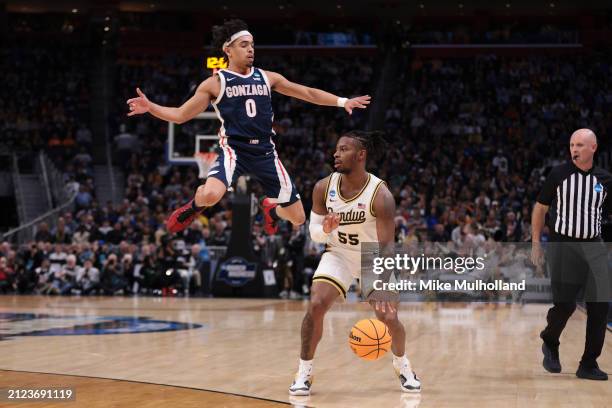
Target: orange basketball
x: 370, y: 339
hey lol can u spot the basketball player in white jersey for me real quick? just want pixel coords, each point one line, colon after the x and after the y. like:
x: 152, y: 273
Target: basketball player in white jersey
x: 242, y: 98
x: 349, y: 207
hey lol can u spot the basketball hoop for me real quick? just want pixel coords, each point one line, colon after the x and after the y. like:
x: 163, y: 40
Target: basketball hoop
x: 205, y: 161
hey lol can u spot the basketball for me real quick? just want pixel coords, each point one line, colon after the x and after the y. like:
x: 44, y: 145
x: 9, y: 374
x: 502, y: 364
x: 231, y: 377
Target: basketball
x: 370, y: 339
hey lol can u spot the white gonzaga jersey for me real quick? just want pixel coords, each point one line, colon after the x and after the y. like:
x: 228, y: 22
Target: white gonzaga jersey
x: 357, y: 218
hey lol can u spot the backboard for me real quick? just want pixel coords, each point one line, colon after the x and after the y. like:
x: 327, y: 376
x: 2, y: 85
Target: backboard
x: 197, y: 135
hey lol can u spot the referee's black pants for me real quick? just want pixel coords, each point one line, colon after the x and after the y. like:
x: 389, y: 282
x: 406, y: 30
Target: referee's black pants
x: 578, y: 267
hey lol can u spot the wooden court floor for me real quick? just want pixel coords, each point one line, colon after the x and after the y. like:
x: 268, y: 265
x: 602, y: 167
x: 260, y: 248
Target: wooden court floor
x: 244, y: 353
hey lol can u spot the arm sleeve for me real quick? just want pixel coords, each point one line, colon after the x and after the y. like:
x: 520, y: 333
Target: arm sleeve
x: 316, y: 228
x: 548, y: 189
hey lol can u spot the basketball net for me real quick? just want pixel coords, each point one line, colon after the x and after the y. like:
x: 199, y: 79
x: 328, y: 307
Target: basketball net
x: 205, y: 161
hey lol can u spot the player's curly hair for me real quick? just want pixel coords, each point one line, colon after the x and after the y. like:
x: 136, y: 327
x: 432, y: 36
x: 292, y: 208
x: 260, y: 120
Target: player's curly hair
x: 374, y: 142
x: 222, y: 33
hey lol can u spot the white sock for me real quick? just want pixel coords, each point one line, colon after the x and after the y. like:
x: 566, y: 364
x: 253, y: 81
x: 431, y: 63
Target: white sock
x: 305, y: 366
x: 400, y: 362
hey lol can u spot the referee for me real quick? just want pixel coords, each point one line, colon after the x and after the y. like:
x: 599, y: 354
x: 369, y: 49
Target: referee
x: 577, y: 195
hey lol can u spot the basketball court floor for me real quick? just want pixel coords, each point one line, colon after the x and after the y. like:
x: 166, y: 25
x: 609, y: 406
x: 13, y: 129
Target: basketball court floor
x: 166, y: 352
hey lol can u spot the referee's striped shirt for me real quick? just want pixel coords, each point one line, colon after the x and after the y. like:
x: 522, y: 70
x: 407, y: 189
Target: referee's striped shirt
x: 578, y: 200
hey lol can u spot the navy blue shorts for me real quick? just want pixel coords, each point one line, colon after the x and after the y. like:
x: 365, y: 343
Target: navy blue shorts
x: 259, y: 159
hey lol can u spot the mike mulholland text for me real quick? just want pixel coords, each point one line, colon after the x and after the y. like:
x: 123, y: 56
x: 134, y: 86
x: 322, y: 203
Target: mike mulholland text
x: 437, y: 285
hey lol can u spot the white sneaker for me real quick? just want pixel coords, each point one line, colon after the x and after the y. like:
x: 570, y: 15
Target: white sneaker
x: 409, y: 382
x: 301, y: 385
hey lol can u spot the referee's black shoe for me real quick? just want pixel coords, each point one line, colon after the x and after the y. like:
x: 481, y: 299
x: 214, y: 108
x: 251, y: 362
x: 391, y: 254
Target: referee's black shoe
x: 591, y: 373
x: 551, y: 361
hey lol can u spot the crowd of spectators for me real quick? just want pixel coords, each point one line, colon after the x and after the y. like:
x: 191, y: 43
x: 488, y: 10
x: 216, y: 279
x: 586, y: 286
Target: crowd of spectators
x: 507, y: 120
x: 62, y: 262
x: 45, y: 99
x: 35, y: 26
x: 502, y: 32
x: 45, y: 104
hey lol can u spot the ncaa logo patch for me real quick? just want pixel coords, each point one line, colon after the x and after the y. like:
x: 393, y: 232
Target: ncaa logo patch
x: 598, y: 188
x: 332, y: 193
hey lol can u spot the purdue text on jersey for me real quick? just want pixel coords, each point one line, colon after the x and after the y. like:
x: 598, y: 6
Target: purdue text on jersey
x: 357, y: 218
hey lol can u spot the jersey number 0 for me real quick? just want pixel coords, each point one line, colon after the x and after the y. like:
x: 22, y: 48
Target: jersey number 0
x: 251, y: 108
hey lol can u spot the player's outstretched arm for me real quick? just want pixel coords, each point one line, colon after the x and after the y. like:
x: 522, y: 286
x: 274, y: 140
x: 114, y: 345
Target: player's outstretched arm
x: 187, y: 111
x: 282, y: 85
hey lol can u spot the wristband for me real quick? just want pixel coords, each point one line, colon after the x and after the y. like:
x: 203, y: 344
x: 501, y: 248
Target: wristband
x: 341, y: 102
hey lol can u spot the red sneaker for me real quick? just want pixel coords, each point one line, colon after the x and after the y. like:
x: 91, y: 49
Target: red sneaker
x: 269, y: 225
x: 181, y: 218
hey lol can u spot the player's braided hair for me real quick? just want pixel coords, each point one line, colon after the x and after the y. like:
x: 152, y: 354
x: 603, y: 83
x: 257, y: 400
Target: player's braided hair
x: 373, y: 142
x: 222, y: 33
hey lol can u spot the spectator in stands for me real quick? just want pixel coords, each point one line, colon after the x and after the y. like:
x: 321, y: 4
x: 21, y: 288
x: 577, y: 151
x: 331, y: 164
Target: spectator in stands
x: 439, y: 234
x: 511, y: 229
x: 43, y: 276
x: 83, y: 157
x: 24, y: 279
x: 115, y: 236
x: 57, y: 257
x: 61, y: 234
x: 148, y: 270
x: 113, y: 280
x: 126, y: 144
x: 84, y: 252
x: 67, y: 277
x: 220, y: 233
x: 57, y: 280
x: 193, y: 235
x: 42, y: 233
x: 130, y: 274
x: 33, y: 255
x: 102, y: 232
x: 192, y: 275
x: 71, y: 223
x: 84, y: 136
x: 83, y: 197
x: 81, y: 235
x: 6, y: 276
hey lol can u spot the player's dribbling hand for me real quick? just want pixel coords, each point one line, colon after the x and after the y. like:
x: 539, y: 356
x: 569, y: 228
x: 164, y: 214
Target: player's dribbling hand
x: 139, y: 105
x: 383, y: 306
x: 357, y: 102
x: 382, y: 300
x: 331, y: 222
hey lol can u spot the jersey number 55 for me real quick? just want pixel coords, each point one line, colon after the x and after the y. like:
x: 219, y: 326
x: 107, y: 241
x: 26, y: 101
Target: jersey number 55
x: 351, y: 239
